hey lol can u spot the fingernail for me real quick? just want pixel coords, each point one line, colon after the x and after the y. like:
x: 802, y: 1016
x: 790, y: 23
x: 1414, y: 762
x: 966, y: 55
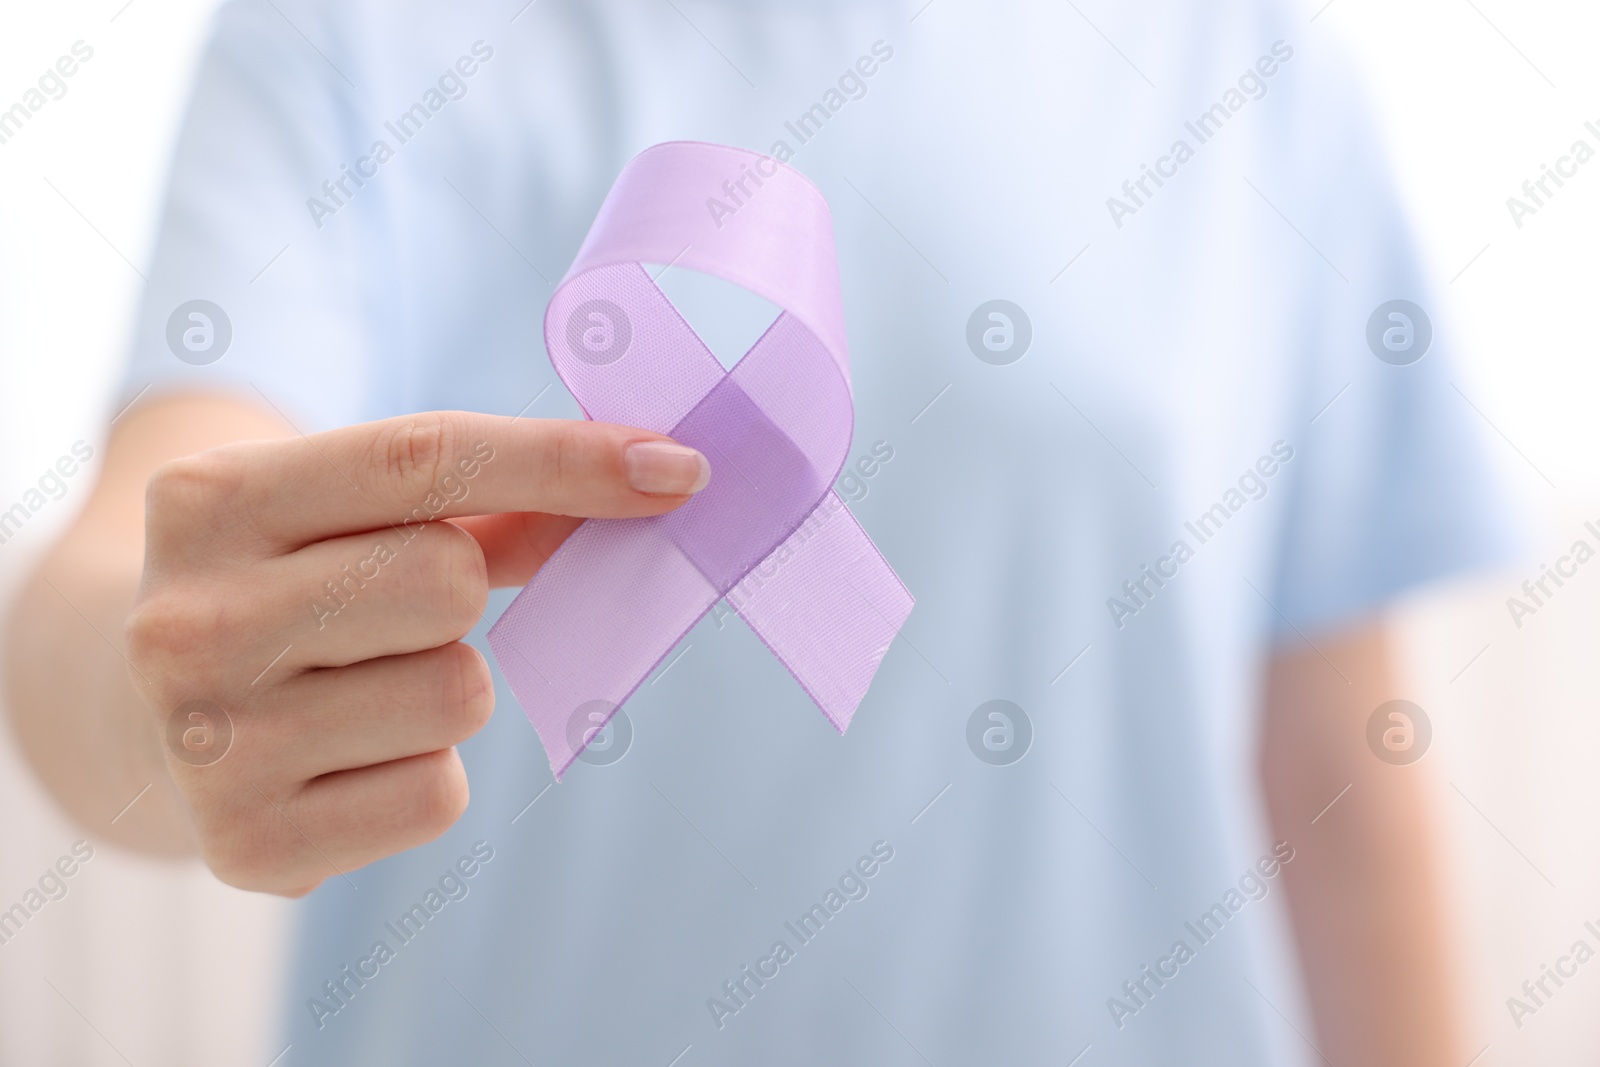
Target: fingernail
x: 665, y: 468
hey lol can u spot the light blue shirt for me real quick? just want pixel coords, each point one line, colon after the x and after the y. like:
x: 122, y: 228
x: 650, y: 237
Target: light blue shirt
x: 1196, y: 455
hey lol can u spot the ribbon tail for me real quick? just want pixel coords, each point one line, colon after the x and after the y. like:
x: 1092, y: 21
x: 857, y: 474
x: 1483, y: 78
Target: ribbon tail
x: 828, y: 606
x: 596, y: 619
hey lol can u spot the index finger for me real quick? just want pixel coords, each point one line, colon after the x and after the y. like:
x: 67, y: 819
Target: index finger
x: 444, y: 464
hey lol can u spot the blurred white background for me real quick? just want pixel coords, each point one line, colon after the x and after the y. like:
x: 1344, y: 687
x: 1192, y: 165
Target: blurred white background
x: 167, y: 964
x: 160, y: 964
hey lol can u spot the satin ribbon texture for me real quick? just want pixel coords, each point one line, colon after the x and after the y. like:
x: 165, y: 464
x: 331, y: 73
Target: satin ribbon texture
x: 768, y: 533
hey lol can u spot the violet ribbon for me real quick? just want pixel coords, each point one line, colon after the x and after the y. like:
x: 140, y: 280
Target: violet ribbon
x: 768, y: 533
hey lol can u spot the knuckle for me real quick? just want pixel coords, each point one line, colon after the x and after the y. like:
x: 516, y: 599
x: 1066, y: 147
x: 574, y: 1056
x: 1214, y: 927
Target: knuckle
x: 194, y: 479
x: 446, y: 578
x: 252, y: 871
x: 467, y: 575
x: 233, y: 866
x: 563, y: 451
x: 183, y: 490
x: 412, y: 452
x: 242, y: 847
x: 562, y: 456
x: 441, y: 795
x: 170, y: 627
x: 145, y: 630
x: 469, y: 691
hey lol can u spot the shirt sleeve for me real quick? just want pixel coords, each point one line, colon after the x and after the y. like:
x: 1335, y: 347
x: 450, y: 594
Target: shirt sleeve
x: 1392, y: 485
x: 252, y: 292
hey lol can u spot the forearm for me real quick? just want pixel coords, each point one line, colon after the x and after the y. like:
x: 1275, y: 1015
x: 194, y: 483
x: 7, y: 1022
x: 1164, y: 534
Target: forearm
x: 1366, y: 893
x: 74, y: 710
x: 1372, y: 938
